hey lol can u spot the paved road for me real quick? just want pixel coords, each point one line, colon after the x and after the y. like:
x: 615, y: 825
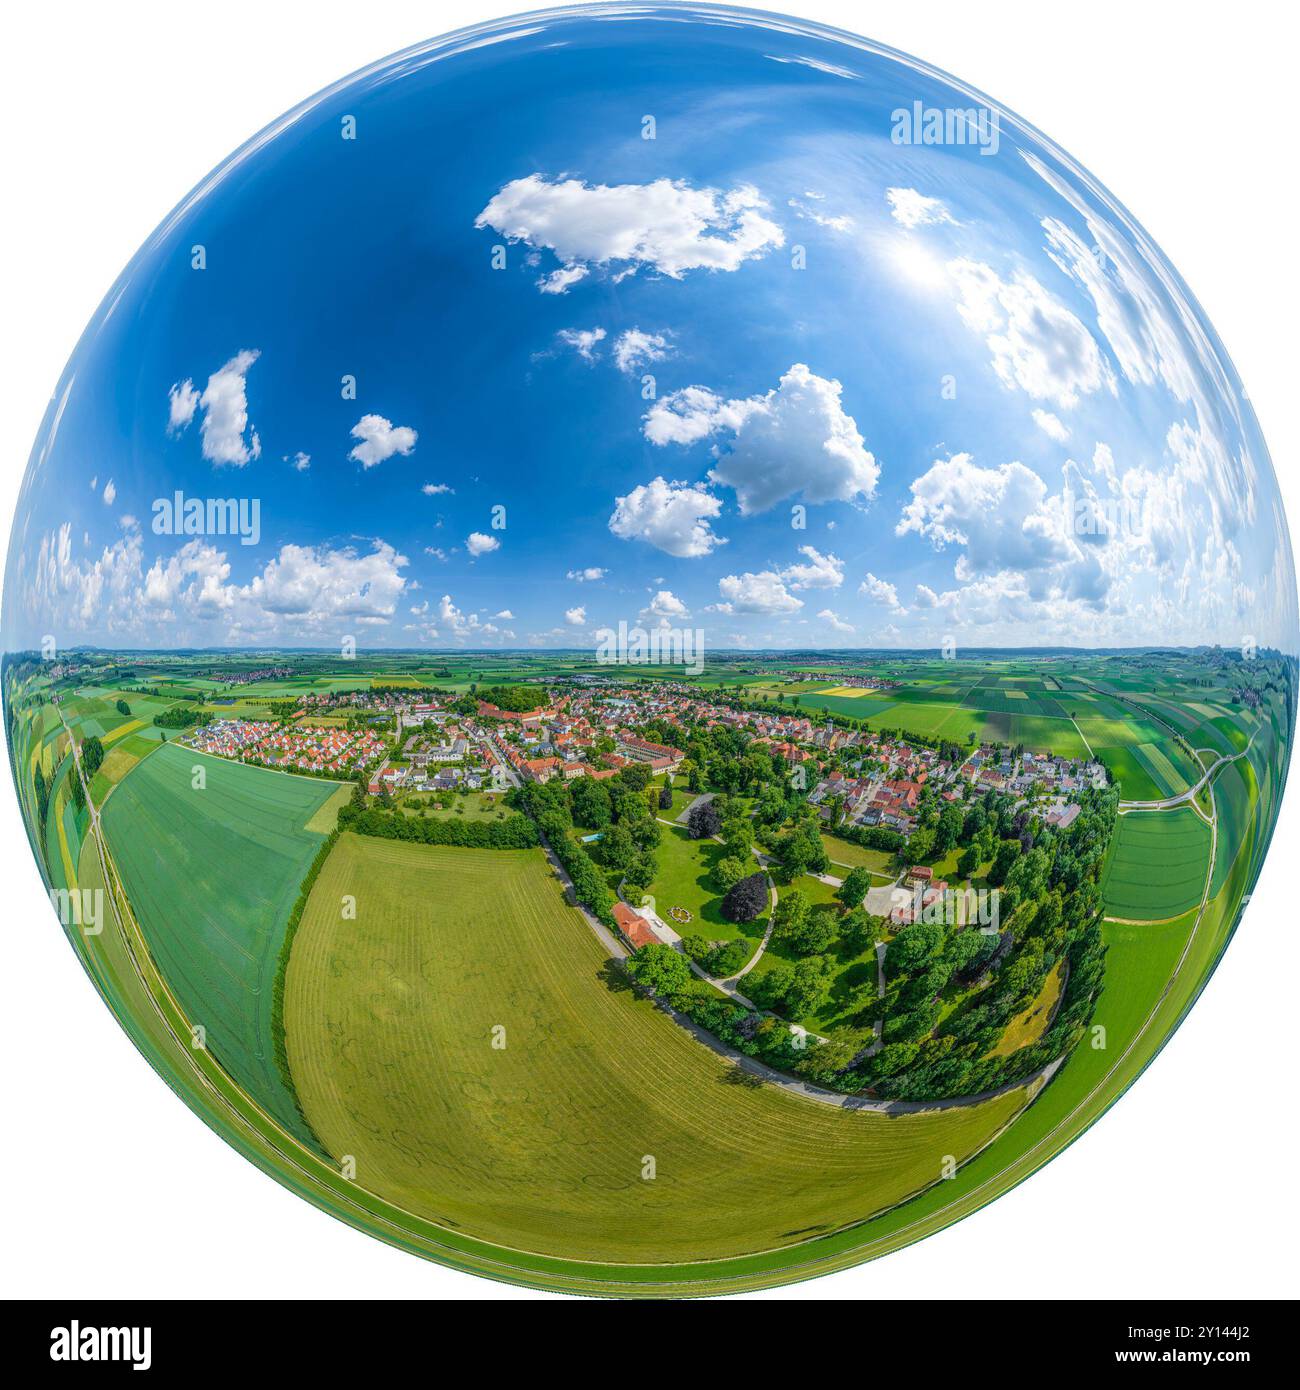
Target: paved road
x: 1170, y: 801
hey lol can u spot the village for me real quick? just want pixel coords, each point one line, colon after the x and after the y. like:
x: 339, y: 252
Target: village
x: 594, y: 728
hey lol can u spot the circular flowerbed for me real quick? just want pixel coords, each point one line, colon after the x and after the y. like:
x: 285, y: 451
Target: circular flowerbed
x: 680, y: 914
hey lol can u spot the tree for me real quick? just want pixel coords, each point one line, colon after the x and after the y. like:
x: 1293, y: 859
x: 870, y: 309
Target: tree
x: 853, y: 891
x: 704, y: 821
x: 968, y: 861
x: 617, y: 849
x: 92, y: 755
x: 1008, y: 852
x: 912, y: 947
x: 746, y: 899
x: 727, y: 958
x: 727, y: 872
x: 920, y: 845
x: 790, y: 915
x: 666, y: 796
x: 123, y: 708
x: 816, y: 934
x: 858, y: 931
x: 591, y: 804
x: 78, y: 792
x: 810, y: 983
x: 659, y: 968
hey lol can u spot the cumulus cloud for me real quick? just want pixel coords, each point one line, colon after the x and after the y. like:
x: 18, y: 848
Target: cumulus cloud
x: 914, y: 209
x: 380, y: 440
x: 633, y: 349
x: 478, y: 543
x: 1038, y: 346
x: 998, y: 514
x: 818, y: 572
x: 586, y: 576
x: 665, y: 606
x: 832, y: 620
x: 436, y: 489
x: 575, y: 617
x: 1051, y: 425
x: 880, y: 591
x: 666, y: 226
x: 795, y: 439
x: 224, y: 403
x: 110, y: 493
x: 300, y: 462
x: 764, y: 592
x: 674, y: 517
x: 583, y: 341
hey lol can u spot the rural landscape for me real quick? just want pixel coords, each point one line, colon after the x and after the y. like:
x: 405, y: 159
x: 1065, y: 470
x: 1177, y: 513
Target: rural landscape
x: 671, y: 699
x: 613, y: 978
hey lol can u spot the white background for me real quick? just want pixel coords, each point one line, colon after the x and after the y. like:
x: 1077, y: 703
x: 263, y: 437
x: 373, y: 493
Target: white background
x: 111, y: 113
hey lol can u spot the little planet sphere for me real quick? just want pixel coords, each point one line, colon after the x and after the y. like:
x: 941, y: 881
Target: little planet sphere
x: 649, y: 650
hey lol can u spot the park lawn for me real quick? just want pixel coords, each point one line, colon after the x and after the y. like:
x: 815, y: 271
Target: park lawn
x: 485, y: 806
x: 539, y: 1144
x: 211, y: 876
x: 1157, y: 864
x: 684, y: 880
x: 845, y: 855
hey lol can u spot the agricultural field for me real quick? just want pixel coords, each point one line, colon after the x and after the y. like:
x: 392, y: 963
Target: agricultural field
x: 1157, y: 864
x: 211, y: 875
x: 459, y: 1132
x: 390, y: 1016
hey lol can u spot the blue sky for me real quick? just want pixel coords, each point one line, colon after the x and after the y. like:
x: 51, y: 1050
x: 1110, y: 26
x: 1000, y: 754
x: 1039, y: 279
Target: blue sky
x: 771, y: 373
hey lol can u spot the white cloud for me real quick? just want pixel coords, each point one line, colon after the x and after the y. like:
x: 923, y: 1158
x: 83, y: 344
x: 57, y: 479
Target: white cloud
x: 459, y: 624
x: 477, y: 543
x: 674, y: 517
x: 380, y: 440
x: 575, y: 617
x: 110, y: 493
x: 763, y: 592
x: 667, y: 226
x: 998, y: 514
x: 816, y: 63
x: 583, y: 341
x: 1037, y: 344
x: 634, y: 349
x: 914, y: 209
x: 183, y: 401
x: 839, y: 223
x: 665, y: 606
x: 224, y: 403
x: 880, y: 591
x: 505, y: 615
x: 1051, y: 425
x: 834, y: 621
x: 795, y: 439
x: 586, y: 576
x: 820, y: 571
x: 436, y: 489
x: 300, y: 462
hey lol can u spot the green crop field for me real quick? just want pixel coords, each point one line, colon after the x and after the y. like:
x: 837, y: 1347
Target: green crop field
x: 211, y: 876
x: 542, y: 1142
x: 1157, y: 864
